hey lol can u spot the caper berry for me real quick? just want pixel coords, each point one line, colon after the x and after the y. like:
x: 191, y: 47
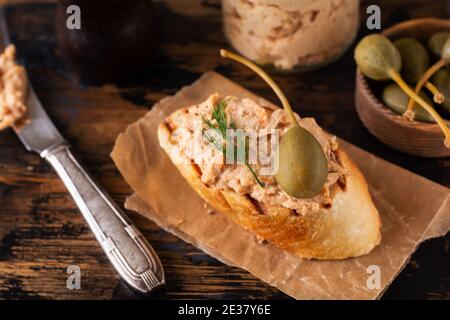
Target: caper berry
x: 415, y: 59
x: 397, y: 100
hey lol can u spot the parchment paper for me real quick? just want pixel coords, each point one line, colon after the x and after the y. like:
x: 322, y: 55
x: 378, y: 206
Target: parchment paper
x: 162, y: 195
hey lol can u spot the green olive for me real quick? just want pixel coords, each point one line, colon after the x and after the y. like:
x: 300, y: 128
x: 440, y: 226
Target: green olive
x: 415, y: 59
x: 441, y: 80
x: 377, y: 56
x: 396, y: 99
x: 302, y: 167
x: 436, y: 42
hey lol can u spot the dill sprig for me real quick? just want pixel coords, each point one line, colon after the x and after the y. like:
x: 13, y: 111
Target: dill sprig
x: 219, y: 124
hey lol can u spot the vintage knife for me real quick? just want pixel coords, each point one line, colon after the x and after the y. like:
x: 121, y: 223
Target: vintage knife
x: 127, y: 249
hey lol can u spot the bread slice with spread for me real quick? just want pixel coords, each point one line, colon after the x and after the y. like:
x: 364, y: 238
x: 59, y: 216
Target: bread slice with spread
x: 339, y: 222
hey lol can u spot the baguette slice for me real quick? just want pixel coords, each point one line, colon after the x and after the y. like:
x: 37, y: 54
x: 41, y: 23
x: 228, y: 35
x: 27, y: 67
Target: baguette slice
x: 349, y: 228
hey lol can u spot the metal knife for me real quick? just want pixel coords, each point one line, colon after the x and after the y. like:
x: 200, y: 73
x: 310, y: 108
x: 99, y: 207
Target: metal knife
x: 127, y: 249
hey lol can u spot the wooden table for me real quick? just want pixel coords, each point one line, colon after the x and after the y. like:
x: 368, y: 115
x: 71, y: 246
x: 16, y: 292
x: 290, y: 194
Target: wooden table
x: 41, y: 230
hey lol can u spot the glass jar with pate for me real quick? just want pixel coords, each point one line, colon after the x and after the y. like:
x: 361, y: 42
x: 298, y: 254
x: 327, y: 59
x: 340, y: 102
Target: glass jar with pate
x: 292, y: 35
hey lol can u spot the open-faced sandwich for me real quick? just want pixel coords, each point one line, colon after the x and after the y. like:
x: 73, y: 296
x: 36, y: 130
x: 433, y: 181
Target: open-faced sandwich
x: 13, y: 88
x: 314, y: 204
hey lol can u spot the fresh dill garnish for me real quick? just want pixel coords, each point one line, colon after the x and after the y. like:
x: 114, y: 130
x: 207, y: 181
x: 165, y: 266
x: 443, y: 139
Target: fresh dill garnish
x: 219, y: 124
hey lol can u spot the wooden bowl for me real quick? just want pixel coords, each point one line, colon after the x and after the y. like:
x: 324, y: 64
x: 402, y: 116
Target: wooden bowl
x: 416, y: 138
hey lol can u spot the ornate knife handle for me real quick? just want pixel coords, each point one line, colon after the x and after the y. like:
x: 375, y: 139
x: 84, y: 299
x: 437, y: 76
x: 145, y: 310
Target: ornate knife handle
x: 125, y: 246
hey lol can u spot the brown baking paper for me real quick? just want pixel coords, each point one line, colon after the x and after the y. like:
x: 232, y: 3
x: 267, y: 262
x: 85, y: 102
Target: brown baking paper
x: 412, y: 209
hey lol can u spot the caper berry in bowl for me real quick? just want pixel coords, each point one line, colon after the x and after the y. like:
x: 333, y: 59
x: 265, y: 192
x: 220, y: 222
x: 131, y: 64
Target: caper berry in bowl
x: 402, y: 86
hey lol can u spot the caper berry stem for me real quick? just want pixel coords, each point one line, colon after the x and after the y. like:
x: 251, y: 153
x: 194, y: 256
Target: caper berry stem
x: 284, y: 101
x: 438, y: 97
x: 425, y: 77
x: 395, y: 76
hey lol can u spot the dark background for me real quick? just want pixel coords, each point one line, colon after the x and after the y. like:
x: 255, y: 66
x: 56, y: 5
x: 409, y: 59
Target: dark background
x: 42, y: 232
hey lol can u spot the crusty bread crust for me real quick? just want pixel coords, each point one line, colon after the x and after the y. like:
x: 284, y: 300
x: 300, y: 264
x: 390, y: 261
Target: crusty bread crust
x: 349, y: 228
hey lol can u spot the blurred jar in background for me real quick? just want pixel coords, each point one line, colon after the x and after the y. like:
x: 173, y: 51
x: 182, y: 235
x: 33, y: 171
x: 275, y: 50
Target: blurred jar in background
x: 294, y: 35
x: 117, y: 37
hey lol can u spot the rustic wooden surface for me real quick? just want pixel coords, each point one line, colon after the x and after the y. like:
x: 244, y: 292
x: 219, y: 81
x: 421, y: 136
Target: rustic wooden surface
x: 42, y: 232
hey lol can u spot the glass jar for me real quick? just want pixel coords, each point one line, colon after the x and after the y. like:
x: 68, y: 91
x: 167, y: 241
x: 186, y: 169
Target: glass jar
x: 292, y: 35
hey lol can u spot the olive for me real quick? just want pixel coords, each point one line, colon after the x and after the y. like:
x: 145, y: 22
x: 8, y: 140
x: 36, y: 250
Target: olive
x: 442, y: 81
x: 415, y: 59
x: 377, y: 57
x: 302, y: 167
x: 436, y: 42
x: 397, y: 100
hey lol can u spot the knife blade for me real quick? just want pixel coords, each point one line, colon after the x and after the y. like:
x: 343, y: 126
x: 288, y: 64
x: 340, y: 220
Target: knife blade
x: 127, y: 249
x: 39, y: 133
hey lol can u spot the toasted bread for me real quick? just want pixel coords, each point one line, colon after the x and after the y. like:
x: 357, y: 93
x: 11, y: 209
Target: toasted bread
x: 350, y: 227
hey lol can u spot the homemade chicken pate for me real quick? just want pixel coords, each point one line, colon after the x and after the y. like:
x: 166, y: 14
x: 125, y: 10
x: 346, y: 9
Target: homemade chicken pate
x: 291, y: 33
x: 13, y: 88
x: 247, y: 114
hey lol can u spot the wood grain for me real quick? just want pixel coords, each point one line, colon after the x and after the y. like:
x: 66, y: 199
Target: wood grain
x: 42, y: 232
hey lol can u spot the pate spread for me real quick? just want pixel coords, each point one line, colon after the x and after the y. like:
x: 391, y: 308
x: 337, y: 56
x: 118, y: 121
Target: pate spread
x: 247, y: 114
x: 290, y: 33
x: 13, y: 87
